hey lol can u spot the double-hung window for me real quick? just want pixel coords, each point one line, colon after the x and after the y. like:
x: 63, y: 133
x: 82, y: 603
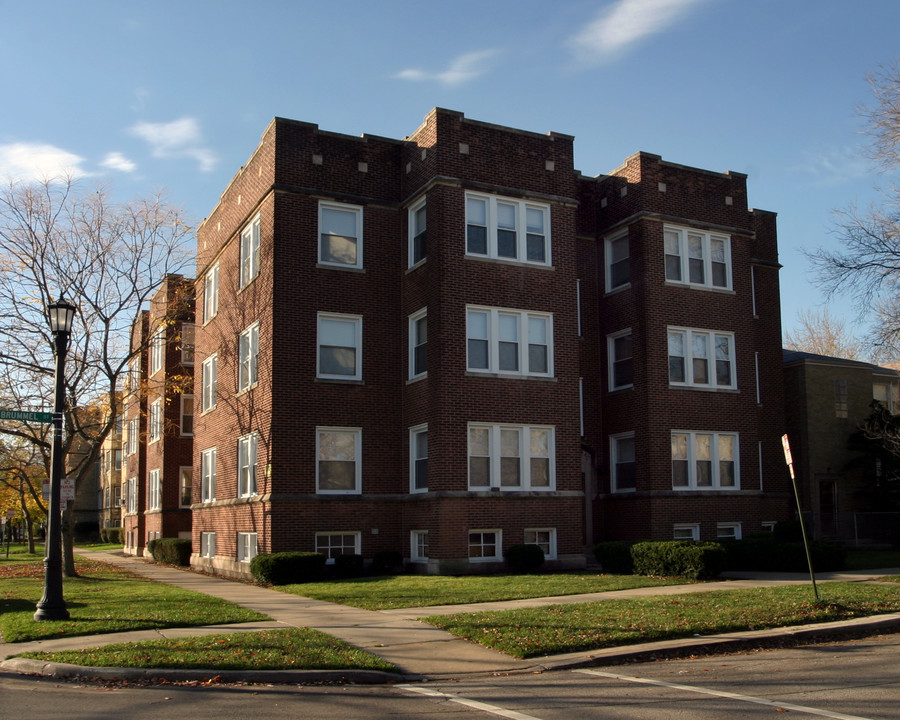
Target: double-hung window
x: 618, y: 262
x: 154, y: 491
x: 247, y: 445
x: 509, y: 342
x: 207, y: 544
x: 248, y: 350
x: 888, y: 394
x: 418, y: 344
x: 418, y: 545
x: 340, y: 235
x: 507, y: 229
x: 211, y: 293
x: 208, y: 475
x: 418, y: 458
x: 623, y: 467
x: 157, y: 348
x: 418, y: 250
x: 132, y: 491
x: 705, y: 461
x: 339, y: 341
x: 208, y: 383
x: 250, y: 252
x: 185, y: 485
x: 697, y: 258
x: 338, y: 460
x: 187, y: 414
x: 188, y: 331
x: 511, y: 457
x: 156, y: 421
x: 701, y: 358
x: 246, y: 546
x: 621, y: 363
x: 131, y: 444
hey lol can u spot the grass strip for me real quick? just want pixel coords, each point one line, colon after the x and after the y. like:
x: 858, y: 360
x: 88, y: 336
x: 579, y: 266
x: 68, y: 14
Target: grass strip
x: 289, y: 649
x: 530, y: 632
x: 405, y: 591
x: 105, y: 599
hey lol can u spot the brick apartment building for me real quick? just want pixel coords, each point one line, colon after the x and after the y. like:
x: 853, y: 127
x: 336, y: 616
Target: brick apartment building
x: 158, y: 419
x: 455, y: 342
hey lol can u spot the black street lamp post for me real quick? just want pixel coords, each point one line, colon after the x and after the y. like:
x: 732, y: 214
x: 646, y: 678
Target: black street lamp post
x: 52, y: 606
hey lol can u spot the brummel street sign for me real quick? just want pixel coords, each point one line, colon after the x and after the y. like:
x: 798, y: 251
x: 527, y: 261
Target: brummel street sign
x: 26, y: 416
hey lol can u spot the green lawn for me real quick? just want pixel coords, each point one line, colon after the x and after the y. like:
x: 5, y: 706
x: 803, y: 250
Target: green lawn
x: 872, y: 559
x: 105, y: 599
x: 405, y: 591
x: 294, y: 648
x: 569, y: 628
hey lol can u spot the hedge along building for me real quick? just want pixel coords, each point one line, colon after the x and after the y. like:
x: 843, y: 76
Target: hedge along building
x: 406, y: 345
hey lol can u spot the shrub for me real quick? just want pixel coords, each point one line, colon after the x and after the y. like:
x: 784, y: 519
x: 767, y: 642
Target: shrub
x: 86, y: 531
x: 524, y: 558
x: 788, y: 531
x: 760, y: 553
x: 171, y: 551
x: 284, y: 568
x: 695, y: 560
x: 113, y: 535
x: 615, y: 557
x: 387, y: 562
x: 348, y: 566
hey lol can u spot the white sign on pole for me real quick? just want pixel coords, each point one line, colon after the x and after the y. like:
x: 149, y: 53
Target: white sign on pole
x: 67, y: 489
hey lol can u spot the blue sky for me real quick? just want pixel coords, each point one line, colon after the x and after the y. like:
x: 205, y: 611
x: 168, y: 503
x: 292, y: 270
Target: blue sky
x: 175, y: 95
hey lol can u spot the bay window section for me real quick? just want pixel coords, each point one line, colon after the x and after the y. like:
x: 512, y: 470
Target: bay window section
x: 507, y: 229
x: 701, y: 358
x: 511, y: 457
x: 697, y: 258
x: 509, y: 342
x: 705, y: 461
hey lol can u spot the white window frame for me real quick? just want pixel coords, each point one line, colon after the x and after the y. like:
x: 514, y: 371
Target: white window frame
x: 154, y: 490
x: 679, y: 530
x: 415, y: 458
x: 357, y: 322
x: 491, y: 225
x: 246, y: 546
x: 324, y: 544
x: 208, y: 381
x: 185, y: 472
x: 691, y: 446
x: 249, y: 252
x: 207, y: 544
x: 187, y: 400
x: 211, y: 293
x: 710, y: 340
x: 131, y: 442
x: 155, y: 421
x: 768, y: 525
x: 728, y: 531
x: 678, y: 264
x: 890, y: 397
x: 248, y: 357
x: 610, y: 245
x: 157, y: 354
x: 612, y: 362
x: 531, y: 537
x: 415, y: 232
x: 208, y: 475
x: 357, y: 211
x: 417, y: 345
x: 246, y: 464
x: 132, y: 495
x: 495, y: 457
x: 188, y: 336
x: 615, y: 461
x: 418, y: 546
x: 357, y: 460
x: 489, y: 327
x: 479, y: 542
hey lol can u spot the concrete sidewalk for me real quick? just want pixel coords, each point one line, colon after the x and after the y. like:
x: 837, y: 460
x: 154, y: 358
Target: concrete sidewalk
x: 419, y: 650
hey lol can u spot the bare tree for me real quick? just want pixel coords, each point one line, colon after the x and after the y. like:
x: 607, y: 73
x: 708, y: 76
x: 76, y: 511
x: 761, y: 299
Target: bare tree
x: 822, y: 334
x: 60, y: 240
x: 867, y: 264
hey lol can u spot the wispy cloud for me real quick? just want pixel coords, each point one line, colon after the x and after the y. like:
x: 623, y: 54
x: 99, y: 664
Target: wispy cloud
x: 462, y: 69
x: 625, y: 23
x: 26, y: 162
x: 179, y: 138
x: 833, y: 167
x: 117, y: 161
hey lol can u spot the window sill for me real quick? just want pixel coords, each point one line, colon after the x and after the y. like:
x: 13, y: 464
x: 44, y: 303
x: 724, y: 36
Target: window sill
x: 625, y: 388
x: 704, y: 288
x: 345, y: 268
x: 510, y: 376
x: 416, y: 267
x: 340, y: 381
x: 704, y: 388
x: 417, y: 378
x: 504, y: 261
x: 619, y: 289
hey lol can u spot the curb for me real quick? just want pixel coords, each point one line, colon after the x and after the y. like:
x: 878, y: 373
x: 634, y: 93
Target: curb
x: 609, y: 656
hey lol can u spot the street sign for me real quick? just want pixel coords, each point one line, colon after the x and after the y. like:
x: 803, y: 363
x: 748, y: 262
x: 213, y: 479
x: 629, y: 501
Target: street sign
x: 26, y: 416
x: 67, y: 489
